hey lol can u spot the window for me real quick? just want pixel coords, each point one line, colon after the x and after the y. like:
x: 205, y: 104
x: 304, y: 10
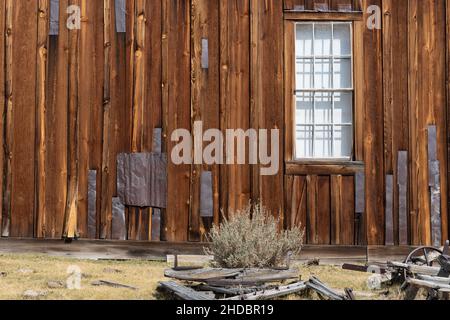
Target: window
x: 323, y: 91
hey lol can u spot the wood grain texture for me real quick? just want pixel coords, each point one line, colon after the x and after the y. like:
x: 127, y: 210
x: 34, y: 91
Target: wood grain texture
x: 71, y: 210
x: 87, y: 60
x: 41, y: 96
x: 23, y: 118
x: 426, y: 98
x: 235, y: 180
x: 3, y: 100
x: 176, y: 103
x: 205, y: 104
x: 7, y: 121
x: 57, y: 109
x: 373, y: 132
x: 267, y: 95
x: 395, y: 91
x: 94, y: 93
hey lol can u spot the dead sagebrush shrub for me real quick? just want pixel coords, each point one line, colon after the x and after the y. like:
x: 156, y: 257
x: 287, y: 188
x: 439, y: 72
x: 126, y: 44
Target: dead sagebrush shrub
x: 251, y: 239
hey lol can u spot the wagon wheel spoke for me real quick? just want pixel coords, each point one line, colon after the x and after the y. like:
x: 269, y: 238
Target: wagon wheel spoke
x: 425, y: 252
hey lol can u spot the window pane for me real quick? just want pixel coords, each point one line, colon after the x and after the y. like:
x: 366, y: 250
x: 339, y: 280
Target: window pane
x: 304, y: 108
x: 343, y: 142
x: 303, y: 41
x: 341, y: 42
x: 324, y: 107
x: 304, y: 138
x: 304, y: 74
x: 343, y: 105
x: 342, y: 74
x: 323, y: 142
x: 322, y: 40
x: 322, y: 74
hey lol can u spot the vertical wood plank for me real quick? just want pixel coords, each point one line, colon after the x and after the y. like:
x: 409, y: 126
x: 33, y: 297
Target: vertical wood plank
x: 176, y: 103
x: 41, y: 96
x: 336, y: 209
x: 427, y: 98
x: 323, y: 210
x: 86, y: 106
x: 3, y: 99
x: 235, y: 180
x: 7, y: 121
x: 373, y: 133
x: 312, y: 220
x: 395, y: 86
x: 57, y: 128
x: 296, y: 202
x: 24, y: 45
x: 71, y: 212
x: 267, y: 34
x: 348, y: 211
x: 204, y: 101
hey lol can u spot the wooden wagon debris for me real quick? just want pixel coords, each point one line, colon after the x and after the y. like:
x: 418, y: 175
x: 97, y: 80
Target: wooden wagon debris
x: 242, y: 284
x: 424, y: 268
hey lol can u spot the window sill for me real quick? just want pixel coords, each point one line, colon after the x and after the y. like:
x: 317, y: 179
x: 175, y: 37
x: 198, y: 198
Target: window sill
x: 324, y: 167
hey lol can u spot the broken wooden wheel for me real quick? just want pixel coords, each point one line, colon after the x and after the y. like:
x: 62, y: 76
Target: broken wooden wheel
x: 423, y: 256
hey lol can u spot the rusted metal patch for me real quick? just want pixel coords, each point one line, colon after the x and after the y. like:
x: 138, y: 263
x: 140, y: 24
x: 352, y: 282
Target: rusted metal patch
x: 206, y: 195
x: 360, y: 202
x: 389, y: 210
x: 142, y: 179
x: 121, y: 10
x: 54, y: 18
x: 205, y: 54
x: 402, y: 172
x: 157, y: 140
x: 119, y: 230
x: 156, y: 224
x: 92, y: 204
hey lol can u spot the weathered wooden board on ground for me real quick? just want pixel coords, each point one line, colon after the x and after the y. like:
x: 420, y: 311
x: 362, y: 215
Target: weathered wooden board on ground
x: 183, y: 292
x: 272, y: 293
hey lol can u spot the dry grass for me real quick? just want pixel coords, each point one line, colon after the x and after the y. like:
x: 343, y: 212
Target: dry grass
x: 27, y: 272
x: 34, y: 272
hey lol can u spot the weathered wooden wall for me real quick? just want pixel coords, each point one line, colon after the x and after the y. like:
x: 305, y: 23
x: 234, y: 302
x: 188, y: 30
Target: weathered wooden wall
x: 71, y: 102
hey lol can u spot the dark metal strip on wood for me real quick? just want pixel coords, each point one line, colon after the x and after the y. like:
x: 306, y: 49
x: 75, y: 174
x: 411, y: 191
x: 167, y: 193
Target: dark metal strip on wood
x: 157, y: 140
x: 360, y: 206
x: 389, y: 210
x: 54, y: 18
x: 403, y: 196
x: 205, y: 54
x: 435, y: 187
x: 436, y: 222
x: 434, y: 173
x: 156, y: 224
x: 158, y: 180
x: 206, y: 195
x: 137, y: 192
x: 119, y: 229
x: 92, y: 204
x: 432, y: 143
x: 120, y: 8
x: 121, y: 177
x: 360, y: 202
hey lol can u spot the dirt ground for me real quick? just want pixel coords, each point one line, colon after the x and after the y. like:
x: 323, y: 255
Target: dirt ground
x: 46, y: 278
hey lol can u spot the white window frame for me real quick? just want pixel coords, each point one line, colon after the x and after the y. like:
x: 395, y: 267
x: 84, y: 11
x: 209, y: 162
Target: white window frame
x: 331, y: 91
